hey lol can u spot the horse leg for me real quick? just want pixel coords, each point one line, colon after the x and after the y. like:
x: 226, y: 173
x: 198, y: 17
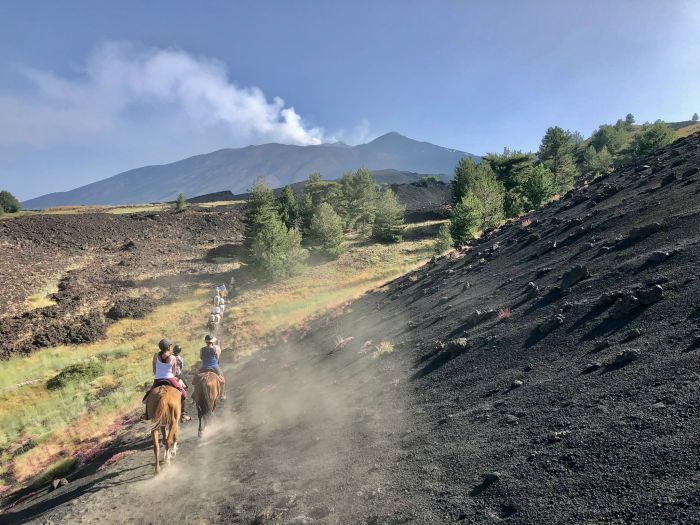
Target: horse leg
x: 156, y: 446
x: 166, y: 442
x: 200, y: 417
x: 176, y: 435
x: 170, y: 441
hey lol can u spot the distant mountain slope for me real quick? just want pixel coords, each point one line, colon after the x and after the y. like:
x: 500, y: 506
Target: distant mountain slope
x: 237, y: 169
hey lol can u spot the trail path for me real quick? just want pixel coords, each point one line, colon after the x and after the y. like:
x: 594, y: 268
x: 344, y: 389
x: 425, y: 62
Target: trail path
x: 305, y: 437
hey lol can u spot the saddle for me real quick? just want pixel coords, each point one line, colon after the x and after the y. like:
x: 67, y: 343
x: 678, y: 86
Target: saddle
x: 162, y: 382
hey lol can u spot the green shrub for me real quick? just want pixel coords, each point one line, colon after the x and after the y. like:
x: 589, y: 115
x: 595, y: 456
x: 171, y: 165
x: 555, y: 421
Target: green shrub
x: 444, y: 240
x: 60, y: 469
x: 326, y: 230
x: 276, y: 250
x: 77, y: 373
x: 651, y: 138
x: 181, y: 202
x: 389, y: 219
x: 8, y: 202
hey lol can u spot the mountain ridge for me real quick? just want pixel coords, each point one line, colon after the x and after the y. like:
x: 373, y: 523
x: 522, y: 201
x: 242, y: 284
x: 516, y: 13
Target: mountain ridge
x: 236, y: 169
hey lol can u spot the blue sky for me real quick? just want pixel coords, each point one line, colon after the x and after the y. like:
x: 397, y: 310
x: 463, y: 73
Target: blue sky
x: 89, y: 89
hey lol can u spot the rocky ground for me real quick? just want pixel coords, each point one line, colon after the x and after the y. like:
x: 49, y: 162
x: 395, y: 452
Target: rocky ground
x: 99, y: 267
x: 548, y: 374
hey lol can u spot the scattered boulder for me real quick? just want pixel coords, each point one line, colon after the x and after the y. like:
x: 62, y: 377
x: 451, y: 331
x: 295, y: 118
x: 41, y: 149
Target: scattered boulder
x: 627, y: 356
x: 592, y: 367
x: 532, y: 290
x: 651, y: 295
x: 557, y: 436
x: 551, y: 324
x: 624, y: 306
x: 642, y: 232
x: 600, y: 345
x: 548, y: 247
x: 691, y: 171
x: 59, y: 482
x: 516, y: 384
x: 658, y: 257
x: 668, y: 179
x: 491, y: 477
x: 574, y: 275
x: 609, y: 298
x: 542, y: 271
x: 479, y: 316
x: 457, y: 346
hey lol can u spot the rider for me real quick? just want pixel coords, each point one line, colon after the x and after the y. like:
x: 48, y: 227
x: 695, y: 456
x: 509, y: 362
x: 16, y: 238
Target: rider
x: 216, y: 312
x: 209, y: 354
x: 164, y: 368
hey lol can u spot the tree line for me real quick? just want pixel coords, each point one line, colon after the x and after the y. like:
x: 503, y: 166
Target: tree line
x: 281, y: 232
x: 509, y: 184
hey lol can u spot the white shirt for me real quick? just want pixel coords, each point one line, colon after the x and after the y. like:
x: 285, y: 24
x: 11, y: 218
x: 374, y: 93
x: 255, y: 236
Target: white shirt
x: 164, y: 370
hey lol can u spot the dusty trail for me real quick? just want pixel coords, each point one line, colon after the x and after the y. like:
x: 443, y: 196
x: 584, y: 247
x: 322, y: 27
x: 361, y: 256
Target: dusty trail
x: 305, y: 437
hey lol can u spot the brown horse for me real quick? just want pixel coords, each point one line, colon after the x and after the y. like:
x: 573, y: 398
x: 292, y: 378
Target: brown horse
x: 206, y: 394
x: 163, y: 408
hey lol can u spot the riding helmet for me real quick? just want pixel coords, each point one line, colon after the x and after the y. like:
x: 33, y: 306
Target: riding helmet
x: 177, y: 349
x: 209, y: 338
x: 164, y: 344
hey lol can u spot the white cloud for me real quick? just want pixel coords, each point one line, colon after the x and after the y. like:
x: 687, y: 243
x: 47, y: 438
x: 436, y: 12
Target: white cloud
x: 122, y: 85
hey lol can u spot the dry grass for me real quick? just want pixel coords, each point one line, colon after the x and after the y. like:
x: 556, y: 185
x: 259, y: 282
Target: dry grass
x: 383, y: 348
x: 688, y: 130
x: 64, y: 421
x: 260, y: 315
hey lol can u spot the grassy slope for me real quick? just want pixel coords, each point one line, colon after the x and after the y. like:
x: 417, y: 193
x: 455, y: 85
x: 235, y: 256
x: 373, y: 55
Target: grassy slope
x: 55, y: 425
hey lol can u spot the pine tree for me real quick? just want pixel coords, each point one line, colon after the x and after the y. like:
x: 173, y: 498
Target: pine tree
x: 262, y: 209
x: 629, y: 120
x: 181, y: 202
x: 466, y: 217
x: 538, y: 186
x: 326, y: 230
x: 490, y: 192
x: 509, y: 165
x: 557, y: 153
x: 276, y: 250
x: 465, y: 174
x: 288, y: 207
x: 357, y: 200
x: 388, y: 225
x: 444, y: 240
x: 694, y: 117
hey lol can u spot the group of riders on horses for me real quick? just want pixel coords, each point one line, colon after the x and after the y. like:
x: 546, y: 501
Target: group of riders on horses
x: 168, y: 363
x: 165, y: 400
x: 217, y: 312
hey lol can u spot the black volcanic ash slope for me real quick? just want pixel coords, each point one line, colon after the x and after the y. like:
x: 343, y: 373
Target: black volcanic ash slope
x: 582, y: 406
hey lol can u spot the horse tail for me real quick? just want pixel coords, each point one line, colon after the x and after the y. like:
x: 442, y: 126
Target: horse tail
x: 203, y: 401
x: 162, y: 416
